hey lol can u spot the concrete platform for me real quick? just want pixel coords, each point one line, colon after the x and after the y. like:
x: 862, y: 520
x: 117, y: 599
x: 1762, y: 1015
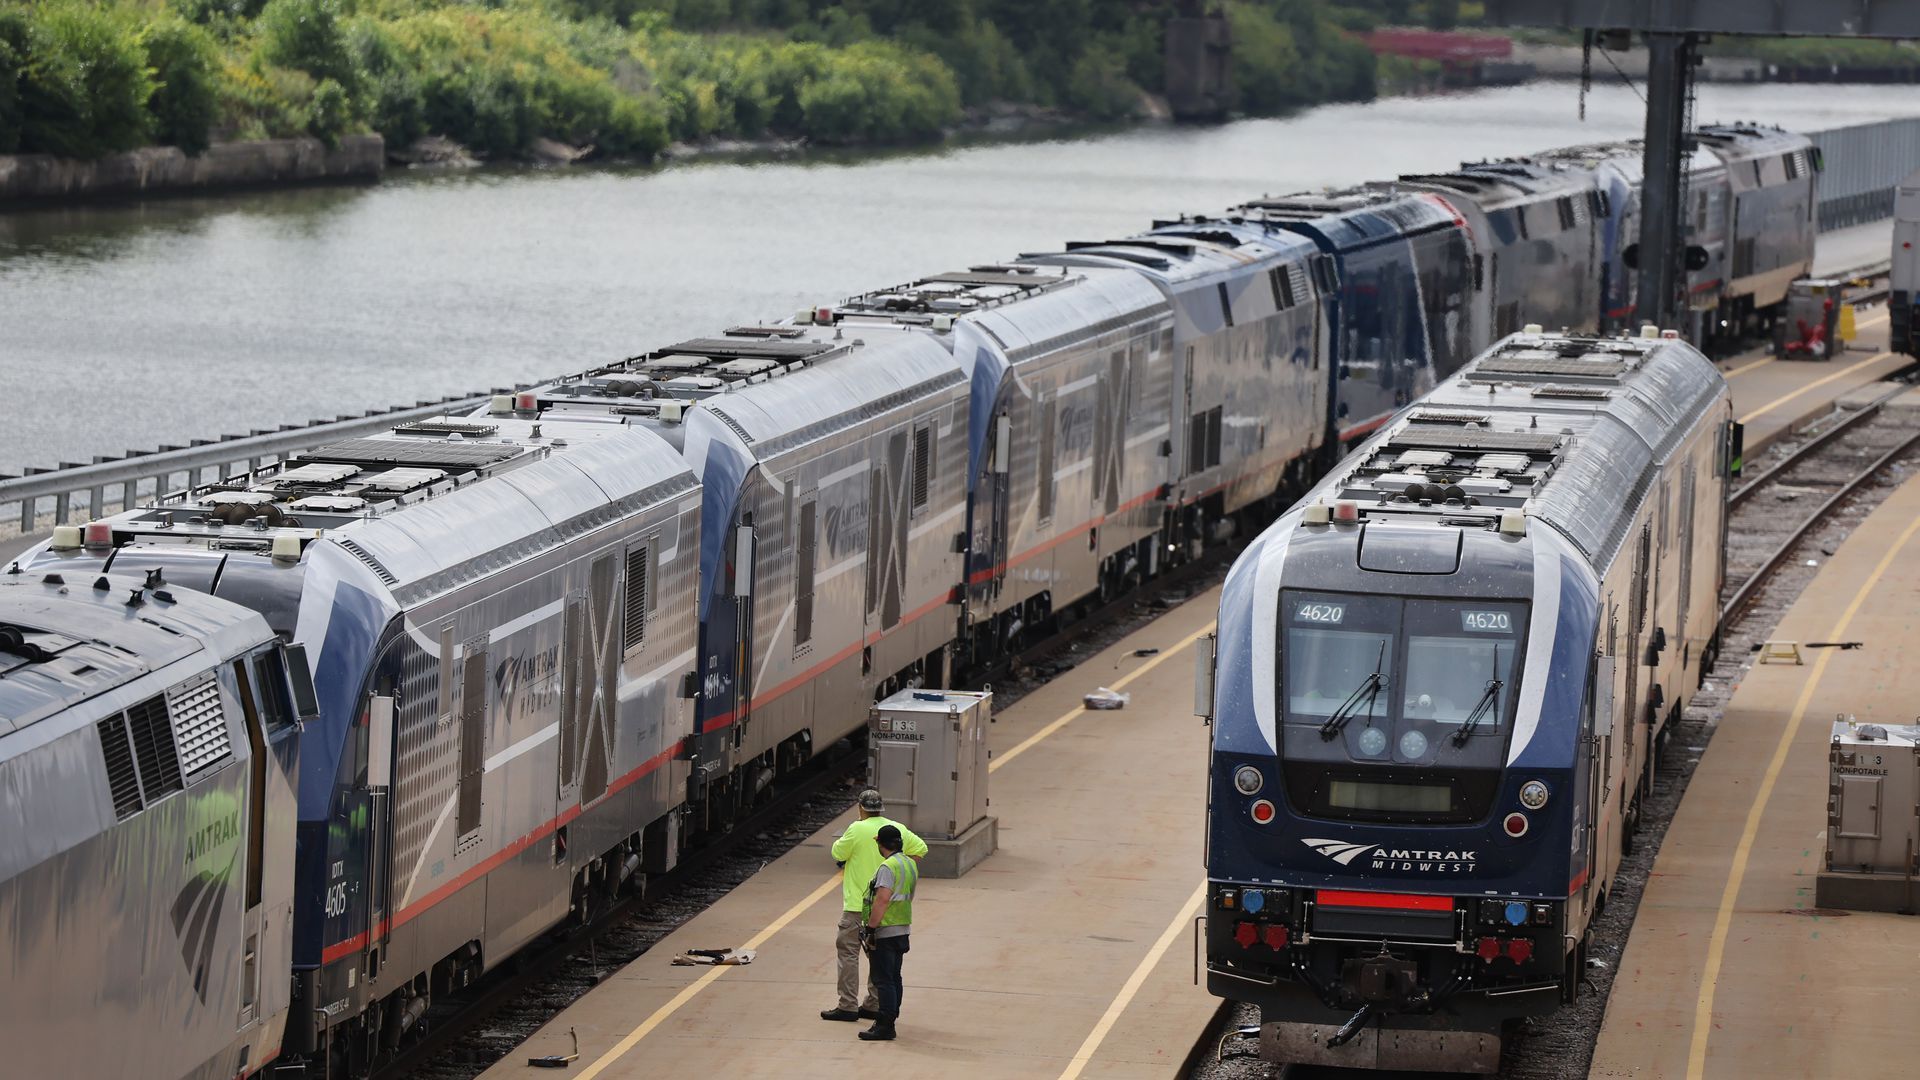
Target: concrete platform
x: 1773, y: 397
x: 1857, y: 251
x: 1732, y: 971
x: 1065, y: 954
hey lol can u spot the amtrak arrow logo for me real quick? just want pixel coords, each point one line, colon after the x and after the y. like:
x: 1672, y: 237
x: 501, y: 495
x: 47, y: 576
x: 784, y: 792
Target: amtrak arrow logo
x: 1339, y: 850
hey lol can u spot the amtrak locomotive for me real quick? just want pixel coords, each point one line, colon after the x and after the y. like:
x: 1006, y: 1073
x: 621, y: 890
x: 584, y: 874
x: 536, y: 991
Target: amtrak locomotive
x: 1440, y: 682
x: 557, y: 642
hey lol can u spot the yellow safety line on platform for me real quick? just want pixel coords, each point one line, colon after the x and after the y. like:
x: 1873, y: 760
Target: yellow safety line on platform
x: 1079, y: 710
x: 1723, y: 921
x: 693, y: 988
x: 1821, y: 381
x: 832, y: 884
x: 1744, y: 368
x: 1133, y: 984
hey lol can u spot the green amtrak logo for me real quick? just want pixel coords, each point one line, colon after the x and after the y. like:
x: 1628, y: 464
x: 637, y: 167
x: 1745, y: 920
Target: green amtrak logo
x: 196, y: 910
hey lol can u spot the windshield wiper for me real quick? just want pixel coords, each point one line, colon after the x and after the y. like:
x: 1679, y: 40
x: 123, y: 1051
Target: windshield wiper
x: 1489, y: 698
x: 1369, y: 689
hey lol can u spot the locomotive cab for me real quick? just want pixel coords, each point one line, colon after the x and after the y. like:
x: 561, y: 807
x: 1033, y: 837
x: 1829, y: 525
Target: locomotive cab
x: 1418, y: 761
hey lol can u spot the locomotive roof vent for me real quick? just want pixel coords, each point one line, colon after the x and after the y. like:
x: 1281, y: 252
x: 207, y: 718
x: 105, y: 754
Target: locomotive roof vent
x: 958, y: 292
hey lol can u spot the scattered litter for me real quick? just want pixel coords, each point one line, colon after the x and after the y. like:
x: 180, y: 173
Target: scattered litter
x: 1813, y: 562
x: 1146, y: 652
x: 1104, y: 698
x: 1836, y: 644
x: 558, y: 1061
x: 713, y: 957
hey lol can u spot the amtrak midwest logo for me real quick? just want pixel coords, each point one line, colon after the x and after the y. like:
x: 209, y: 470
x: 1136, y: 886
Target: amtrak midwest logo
x: 1419, y: 860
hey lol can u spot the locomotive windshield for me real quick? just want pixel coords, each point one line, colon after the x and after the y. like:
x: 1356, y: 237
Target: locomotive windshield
x: 1400, y: 680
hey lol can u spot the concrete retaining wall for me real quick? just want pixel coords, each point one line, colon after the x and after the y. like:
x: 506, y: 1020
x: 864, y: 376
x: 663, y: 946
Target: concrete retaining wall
x: 164, y: 169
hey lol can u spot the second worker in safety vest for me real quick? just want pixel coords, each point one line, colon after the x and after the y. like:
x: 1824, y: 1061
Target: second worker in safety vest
x: 858, y: 853
x: 886, y: 921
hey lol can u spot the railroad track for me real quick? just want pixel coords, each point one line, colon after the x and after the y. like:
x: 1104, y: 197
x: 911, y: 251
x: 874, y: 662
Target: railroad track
x: 1845, y: 456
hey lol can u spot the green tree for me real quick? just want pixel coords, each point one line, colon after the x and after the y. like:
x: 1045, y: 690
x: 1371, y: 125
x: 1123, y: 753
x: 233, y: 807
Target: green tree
x: 84, y: 87
x: 307, y: 35
x: 186, y: 101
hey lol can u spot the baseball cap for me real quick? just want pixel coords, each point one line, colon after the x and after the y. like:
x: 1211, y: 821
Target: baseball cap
x: 871, y: 800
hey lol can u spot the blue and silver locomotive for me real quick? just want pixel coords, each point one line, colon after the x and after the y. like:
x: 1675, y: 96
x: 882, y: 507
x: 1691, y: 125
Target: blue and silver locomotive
x: 1438, y: 686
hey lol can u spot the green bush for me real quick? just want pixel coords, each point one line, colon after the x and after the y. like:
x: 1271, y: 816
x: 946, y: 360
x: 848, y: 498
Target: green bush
x: 185, y: 62
x: 307, y: 35
x: 84, y: 87
x: 14, y: 31
x: 1099, y: 87
x: 395, y: 103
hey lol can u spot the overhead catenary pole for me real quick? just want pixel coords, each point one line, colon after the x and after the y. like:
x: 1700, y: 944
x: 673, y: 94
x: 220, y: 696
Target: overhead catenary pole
x: 1670, y: 60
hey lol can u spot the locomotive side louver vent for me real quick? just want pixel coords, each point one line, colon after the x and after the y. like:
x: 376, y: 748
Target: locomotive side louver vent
x: 119, y: 761
x: 636, y: 596
x: 922, y: 461
x: 153, y: 749
x: 366, y: 556
x: 199, y: 727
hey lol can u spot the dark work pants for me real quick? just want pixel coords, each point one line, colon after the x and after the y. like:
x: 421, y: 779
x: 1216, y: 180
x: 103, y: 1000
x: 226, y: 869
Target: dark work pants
x: 884, y: 973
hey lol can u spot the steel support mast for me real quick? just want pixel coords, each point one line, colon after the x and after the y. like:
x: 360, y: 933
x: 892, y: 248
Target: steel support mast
x: 1663, y: 273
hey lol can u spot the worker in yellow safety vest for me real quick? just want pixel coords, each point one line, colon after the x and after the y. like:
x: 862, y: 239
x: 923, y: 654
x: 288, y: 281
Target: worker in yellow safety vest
x: 859, y: 856
x: 886, y: 922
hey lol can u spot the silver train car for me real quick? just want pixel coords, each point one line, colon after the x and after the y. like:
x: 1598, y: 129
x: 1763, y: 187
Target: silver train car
x: 147, y: 757
x: 501, y: 616
x: 1537, y: 242
x: 1441, y: 680
x: 1250, y: 393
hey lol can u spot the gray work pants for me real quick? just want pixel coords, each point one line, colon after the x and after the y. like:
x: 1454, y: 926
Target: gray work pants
x: 847, y: 946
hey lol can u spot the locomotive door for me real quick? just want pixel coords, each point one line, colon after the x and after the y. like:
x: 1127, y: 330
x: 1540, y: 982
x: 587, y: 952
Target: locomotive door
x: 745, y: 552
x: 380, y: 714
x: 1603, y: 848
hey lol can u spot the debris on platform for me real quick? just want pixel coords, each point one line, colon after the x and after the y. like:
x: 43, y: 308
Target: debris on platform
x: 713, y: 957
x: 558, y: 1061
x: 1104, y: 698
x: 1146, y: 652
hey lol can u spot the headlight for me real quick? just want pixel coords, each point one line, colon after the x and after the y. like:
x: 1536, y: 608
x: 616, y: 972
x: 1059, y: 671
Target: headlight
x: 1533, y: 794
x: 1373, y: 742
x: 1247, y: 780
x: 1413, y: 745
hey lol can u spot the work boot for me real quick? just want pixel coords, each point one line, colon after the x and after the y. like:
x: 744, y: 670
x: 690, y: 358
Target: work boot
x: 846, y: 1016
x: 881, y: 1031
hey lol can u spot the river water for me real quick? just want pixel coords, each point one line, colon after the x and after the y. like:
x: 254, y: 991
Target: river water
x: 127, y: 326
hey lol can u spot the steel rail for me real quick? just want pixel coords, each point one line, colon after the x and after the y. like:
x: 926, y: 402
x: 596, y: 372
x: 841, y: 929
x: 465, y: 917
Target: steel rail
x: 1751, y: 587
x: 1801, y: 453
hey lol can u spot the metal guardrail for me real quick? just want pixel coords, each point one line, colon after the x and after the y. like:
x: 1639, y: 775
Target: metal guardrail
x: 1863, y: 164
x: 119, y: 482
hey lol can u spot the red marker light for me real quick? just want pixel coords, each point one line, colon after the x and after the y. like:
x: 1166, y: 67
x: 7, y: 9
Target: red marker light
x: 823, y: 316
x: 1262, y: 811
x: 1516, y: 824
x: 1346, y: 510
x: 527, y: 401
x: 1246, y: 934
x: 98, y: 534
